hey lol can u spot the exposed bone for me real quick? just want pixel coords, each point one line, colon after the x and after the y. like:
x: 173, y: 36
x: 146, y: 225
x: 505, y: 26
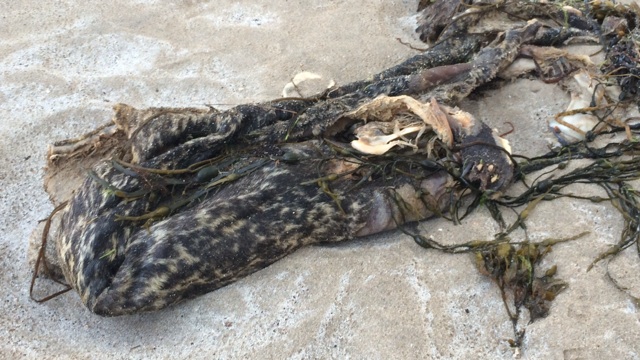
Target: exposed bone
x: 370, y: 143
x: 292, y: 88
x: 573, y: 126
x: 386, y: 109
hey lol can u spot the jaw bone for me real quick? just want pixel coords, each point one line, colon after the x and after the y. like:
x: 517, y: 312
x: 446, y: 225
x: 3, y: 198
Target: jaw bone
x: 374, y: 137
x: 371, y: 139
x: 483, y: 152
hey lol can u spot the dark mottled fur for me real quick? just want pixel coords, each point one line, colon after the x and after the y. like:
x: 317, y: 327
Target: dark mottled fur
x: 227, y: 232
x: 216, y: 240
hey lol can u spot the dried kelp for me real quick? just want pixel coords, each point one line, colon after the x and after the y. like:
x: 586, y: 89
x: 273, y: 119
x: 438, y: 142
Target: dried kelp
x: 514, y: 269
x: 614, y: 166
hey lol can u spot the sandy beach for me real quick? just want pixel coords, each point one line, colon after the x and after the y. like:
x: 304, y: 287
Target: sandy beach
x: 63, y: 66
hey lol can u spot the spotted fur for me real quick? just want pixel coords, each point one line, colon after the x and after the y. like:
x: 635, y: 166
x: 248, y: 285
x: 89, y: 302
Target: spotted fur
x: 223, y: 233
